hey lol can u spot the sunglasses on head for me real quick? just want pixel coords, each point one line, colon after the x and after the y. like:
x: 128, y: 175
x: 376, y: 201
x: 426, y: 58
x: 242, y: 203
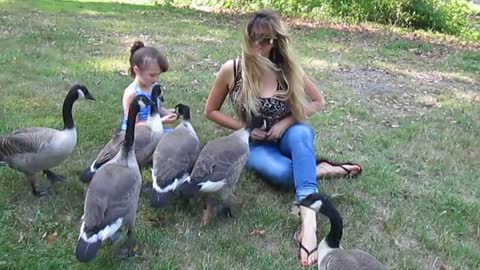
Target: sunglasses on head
x: 262, y: 40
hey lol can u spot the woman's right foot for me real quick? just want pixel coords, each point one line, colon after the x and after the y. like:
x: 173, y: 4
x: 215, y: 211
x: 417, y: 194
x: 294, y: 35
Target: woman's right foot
x: 326, y: 168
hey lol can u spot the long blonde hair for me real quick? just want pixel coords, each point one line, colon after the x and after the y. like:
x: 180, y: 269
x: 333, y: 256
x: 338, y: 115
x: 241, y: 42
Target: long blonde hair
x: 281, y: 60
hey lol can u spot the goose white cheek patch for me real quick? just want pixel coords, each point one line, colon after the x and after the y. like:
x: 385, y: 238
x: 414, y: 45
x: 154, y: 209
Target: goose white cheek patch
x: 316, y: 205
x: 81, y: 95
x: 92, y: 167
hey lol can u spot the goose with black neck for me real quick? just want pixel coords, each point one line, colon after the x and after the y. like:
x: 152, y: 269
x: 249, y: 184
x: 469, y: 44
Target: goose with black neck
x: 38, y: 149
x: 112, y: 197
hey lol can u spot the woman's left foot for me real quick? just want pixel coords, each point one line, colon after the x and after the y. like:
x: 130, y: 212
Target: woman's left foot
x: 307, y: 237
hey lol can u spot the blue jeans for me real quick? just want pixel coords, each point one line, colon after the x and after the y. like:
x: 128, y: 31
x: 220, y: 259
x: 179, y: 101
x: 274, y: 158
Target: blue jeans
x: 290, y: 162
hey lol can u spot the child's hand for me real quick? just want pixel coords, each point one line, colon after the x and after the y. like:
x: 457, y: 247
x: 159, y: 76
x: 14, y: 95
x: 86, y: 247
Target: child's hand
x: 169, y: 111
x: 169, y: 118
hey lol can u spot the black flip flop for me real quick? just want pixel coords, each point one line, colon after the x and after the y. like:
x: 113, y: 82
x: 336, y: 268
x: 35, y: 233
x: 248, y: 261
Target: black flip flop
x: 342, y: 165
x: 301, y: 246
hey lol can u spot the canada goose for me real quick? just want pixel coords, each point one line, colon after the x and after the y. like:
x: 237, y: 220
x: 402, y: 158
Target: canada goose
x: 146, y: 137
x: 330, y: 256
x: 37, y: 149
x: 173, y: 159
x: 217, y: 170
x: 112, y: 196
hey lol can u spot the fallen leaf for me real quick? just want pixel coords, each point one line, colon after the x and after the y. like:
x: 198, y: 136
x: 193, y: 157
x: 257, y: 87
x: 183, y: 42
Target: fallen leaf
x: 20, y: 239
x: 295, y: 210
x: 258, y: 232
x: 52, y: 237
x: 157, y: 220
x: 179, y: 228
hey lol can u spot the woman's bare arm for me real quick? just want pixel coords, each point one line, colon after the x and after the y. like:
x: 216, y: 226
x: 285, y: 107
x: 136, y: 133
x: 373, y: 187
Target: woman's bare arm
x: 221, y: 86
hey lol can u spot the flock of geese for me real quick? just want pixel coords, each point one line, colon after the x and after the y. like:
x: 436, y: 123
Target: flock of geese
x: 181, y: 168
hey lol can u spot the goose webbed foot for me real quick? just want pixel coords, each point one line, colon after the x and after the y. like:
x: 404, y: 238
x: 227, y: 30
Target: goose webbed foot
x: 53, y: 177
x: 114, y: 238
x: 147, y: 188
x: 211, y: 208
x: 229, y: 211
x: 131, y: 246
x: 43, y: 192
x: 32, y: 179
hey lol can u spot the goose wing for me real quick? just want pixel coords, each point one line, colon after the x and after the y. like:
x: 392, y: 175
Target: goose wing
x: 145, y: 143
x: 175, y: 155
x: 111, y: 149
x: 219, y: 160
x: 33, y: 130
x: 350, y: 259
x: 25, y: 141
x: 111, y: 195
x: 143, y: 136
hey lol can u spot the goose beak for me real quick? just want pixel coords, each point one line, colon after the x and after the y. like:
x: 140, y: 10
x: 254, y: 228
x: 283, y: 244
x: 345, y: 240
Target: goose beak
x: 89, y: 96
x: 162, y: 99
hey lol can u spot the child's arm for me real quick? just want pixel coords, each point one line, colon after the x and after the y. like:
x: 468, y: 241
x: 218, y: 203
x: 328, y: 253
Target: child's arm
x: 164, y: 112
x: 168, y: 115
x: 128, y: 96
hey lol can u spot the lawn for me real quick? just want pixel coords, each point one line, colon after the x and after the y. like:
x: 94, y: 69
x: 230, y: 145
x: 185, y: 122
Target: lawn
x: 406, y: 107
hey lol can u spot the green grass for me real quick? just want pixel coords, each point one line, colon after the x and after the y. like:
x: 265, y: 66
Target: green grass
x: 408, y: 111
x: 468, y: 61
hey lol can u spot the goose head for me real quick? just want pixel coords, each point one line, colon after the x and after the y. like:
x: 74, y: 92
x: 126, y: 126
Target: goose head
x: 319, y: 202
x: 256, y: 122
x: 81, y: 92
x: 140, y: 102
x: 157, y: 92
x: 183, y: 110
x: 314, y: 201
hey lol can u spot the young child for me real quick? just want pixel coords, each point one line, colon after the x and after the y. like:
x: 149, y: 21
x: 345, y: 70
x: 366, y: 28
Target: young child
x: 146, y: 65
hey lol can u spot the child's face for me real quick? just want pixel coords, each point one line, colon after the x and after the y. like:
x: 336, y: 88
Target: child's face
x: 149, y: 75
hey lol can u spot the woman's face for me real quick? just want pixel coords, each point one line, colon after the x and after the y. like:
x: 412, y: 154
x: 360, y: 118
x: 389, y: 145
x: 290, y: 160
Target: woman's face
x: 262, y: 41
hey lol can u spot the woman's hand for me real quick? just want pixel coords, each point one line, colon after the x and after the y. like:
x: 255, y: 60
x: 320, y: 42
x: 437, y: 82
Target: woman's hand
x: 258, y: 134
x: 277, y: 130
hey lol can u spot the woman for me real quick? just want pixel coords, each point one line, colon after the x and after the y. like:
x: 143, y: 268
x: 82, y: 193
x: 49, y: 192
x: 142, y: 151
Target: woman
x: 267, y: 82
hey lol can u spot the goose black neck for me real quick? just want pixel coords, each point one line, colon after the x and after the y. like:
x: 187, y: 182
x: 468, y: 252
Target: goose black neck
x: 130, y: 132
x: 67, y: 110
x: 336, y: 224
x: 186, y: 114
x: 154, y: 106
